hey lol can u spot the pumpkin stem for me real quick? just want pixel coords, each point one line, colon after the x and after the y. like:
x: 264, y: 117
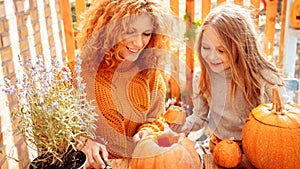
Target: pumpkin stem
x: 230, y: 140
x: 277, y: 103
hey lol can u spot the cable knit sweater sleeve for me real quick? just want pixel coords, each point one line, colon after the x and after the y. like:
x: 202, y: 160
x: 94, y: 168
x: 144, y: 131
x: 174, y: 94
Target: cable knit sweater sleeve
x: 155, y: 120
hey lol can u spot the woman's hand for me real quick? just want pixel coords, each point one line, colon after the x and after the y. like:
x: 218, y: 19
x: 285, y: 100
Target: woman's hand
x: 140, y: 135
x: 96, y: 153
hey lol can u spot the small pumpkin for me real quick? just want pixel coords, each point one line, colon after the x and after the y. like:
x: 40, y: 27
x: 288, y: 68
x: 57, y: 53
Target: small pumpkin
x: 165, y: 150
x: 271, y: 135
x: 295, y: 14
x: 227, y: 153
x: 175, y: 115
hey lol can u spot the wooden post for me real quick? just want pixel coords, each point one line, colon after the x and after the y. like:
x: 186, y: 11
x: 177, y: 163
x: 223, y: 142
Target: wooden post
x: 65, y: 8
x: 282, y: 33
x: 175, y: 7
x: 269, y: 31
x: 174, y: 80
x: 239, y: 2
x: 220, y: 2
x: 189, y: 54
x: 205, y: 8
x: 256, y: 6
x: 80, y: 8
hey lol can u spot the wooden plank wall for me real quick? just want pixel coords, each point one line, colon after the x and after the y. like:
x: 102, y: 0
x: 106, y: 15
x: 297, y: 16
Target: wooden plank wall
x: 65, y: 8
x: 269, y: 30
x: 190, y: 9
x: 174, y: 78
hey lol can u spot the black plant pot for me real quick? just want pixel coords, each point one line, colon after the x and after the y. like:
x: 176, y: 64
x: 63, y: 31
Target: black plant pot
x: 71, y: 164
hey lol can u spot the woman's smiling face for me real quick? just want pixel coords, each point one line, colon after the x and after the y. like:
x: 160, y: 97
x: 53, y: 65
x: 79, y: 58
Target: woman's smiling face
x: 136, y: 37
x: 213, y: 52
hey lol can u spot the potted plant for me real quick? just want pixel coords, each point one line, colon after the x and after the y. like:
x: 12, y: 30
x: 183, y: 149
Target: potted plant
x: 54, y: 113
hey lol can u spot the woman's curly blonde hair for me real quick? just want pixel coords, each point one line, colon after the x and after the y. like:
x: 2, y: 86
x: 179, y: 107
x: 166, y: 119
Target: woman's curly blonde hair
x: 106, y: 20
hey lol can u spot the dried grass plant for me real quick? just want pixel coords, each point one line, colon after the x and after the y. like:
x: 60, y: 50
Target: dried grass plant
x: 54, y: 115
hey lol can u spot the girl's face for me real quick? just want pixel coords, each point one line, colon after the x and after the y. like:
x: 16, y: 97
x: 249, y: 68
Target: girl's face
x: 213, y: 52
x: 136, y: 37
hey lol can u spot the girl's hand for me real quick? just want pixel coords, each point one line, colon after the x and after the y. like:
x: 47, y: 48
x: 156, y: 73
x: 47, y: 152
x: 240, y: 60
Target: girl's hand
x: 176, y: 127
x: 140, y: 135
x: 96, y: 153
x: 186, y: 127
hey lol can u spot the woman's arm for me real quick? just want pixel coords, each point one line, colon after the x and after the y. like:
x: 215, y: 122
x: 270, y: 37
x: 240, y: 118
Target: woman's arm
x: 154, y: 118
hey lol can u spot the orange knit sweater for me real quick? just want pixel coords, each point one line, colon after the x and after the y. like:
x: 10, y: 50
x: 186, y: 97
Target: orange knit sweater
x: 128, y: 101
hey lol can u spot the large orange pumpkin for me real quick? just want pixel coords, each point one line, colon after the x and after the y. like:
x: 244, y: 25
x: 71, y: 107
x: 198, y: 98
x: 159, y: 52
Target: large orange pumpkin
x: 165, y: 150
x: 271, y: 135
x: 227, y: 153
x: 295, y: 14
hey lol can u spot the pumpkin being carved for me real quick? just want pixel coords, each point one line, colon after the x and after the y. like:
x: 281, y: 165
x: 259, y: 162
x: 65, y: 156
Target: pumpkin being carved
x: 271, y: 135
x: 227, y: 153
x: 165, y: 150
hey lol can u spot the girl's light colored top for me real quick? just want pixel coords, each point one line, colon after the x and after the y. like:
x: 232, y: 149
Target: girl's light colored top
x: 224, y: 119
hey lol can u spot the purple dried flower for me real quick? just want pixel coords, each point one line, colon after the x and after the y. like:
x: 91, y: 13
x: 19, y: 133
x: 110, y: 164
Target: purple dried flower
x: 55, y: 105
x: 78, y: 60
x: 78, y: 79
x: 77, y: 69
x: 83, y: 86
x: 66, y: 75
x: 8, y: 88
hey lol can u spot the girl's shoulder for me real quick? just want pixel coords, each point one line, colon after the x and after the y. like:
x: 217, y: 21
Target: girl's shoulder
x: 270, y: 76
x: 196, y: 77
x: 197, y: 72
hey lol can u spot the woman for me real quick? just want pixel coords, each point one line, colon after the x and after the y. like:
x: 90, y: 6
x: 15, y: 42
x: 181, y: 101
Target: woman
x: 121, y: 42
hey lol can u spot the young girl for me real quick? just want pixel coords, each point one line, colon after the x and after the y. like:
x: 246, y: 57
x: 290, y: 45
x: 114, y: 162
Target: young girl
x: 121, y: 42
x: 234, y: 78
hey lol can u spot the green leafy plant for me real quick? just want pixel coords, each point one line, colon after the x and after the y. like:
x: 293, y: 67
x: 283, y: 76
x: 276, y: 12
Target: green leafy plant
x: 53, y: 110
x: 193, y: 30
